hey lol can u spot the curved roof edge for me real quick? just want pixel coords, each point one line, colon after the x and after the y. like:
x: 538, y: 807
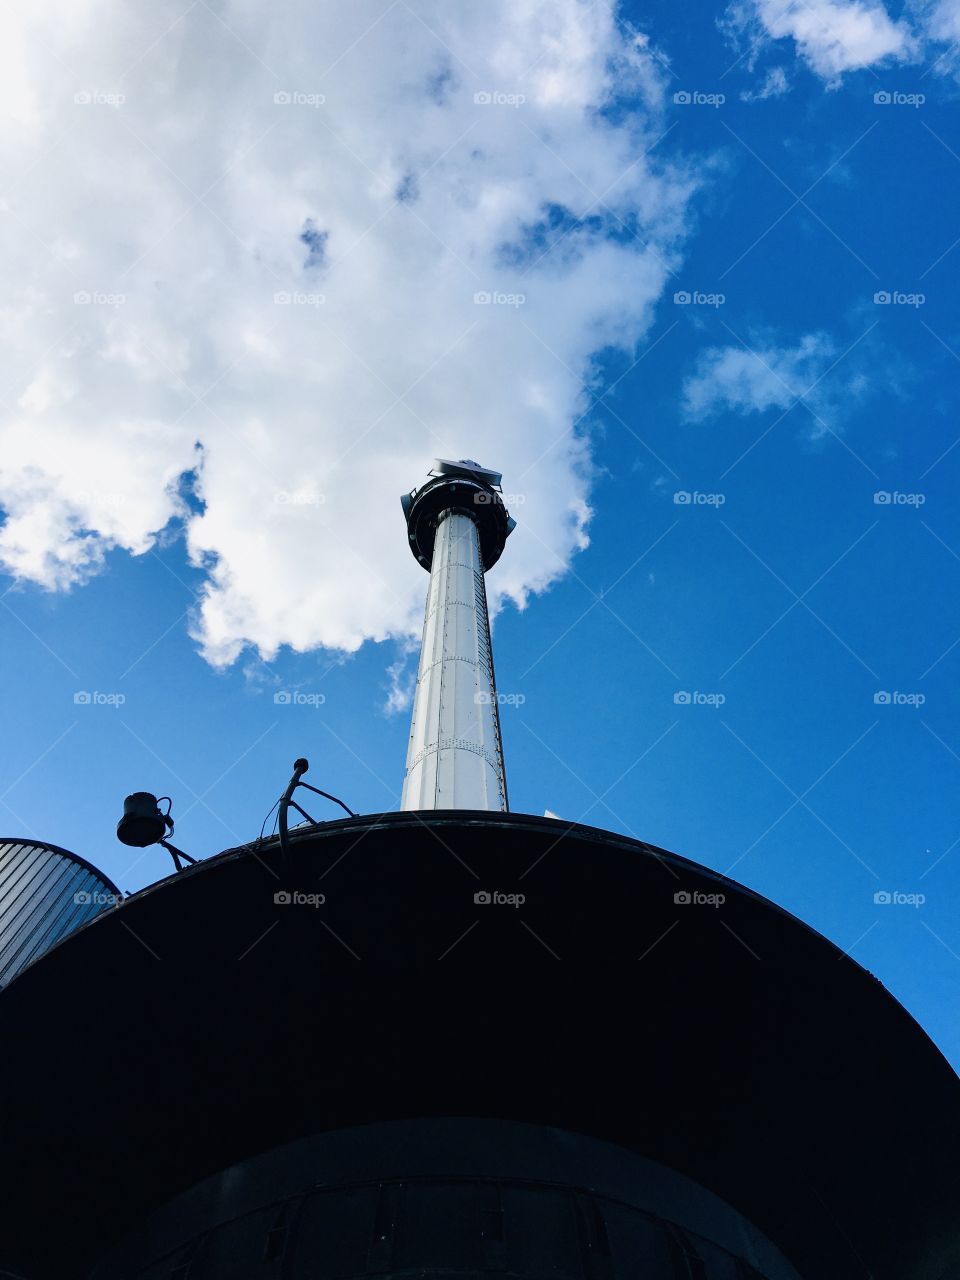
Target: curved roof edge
x: 64, y: 853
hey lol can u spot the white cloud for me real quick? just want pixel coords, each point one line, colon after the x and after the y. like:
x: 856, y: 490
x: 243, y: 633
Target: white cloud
x: 764, y: 377
x: 402, y: 679
x: 832, y: 36
x: 941, y: 19
x: 836, y: 36
x: 940, y: 22
x: 774, y: 85
x: 147, y: 166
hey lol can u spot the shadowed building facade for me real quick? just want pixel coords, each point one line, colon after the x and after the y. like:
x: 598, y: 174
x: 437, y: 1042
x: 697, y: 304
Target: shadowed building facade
x: 455, y: 1041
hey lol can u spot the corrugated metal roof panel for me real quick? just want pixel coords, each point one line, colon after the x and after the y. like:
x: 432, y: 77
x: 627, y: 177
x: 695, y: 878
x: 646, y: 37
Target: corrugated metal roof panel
x: 45, y: 893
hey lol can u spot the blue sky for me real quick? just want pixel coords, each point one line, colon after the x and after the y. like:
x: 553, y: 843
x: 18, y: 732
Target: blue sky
x: 783, y: 597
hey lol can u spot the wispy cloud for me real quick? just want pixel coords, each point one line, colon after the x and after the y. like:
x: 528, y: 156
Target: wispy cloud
x: 402, y: 678
x: 766, y: 376
x: 774, y: 85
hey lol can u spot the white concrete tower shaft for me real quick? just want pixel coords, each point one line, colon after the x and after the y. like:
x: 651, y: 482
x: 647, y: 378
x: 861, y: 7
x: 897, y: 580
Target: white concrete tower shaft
x: 457, y: 526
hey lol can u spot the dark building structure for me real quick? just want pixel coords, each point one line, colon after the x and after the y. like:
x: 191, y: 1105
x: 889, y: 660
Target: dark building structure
x: 457, y: 1042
